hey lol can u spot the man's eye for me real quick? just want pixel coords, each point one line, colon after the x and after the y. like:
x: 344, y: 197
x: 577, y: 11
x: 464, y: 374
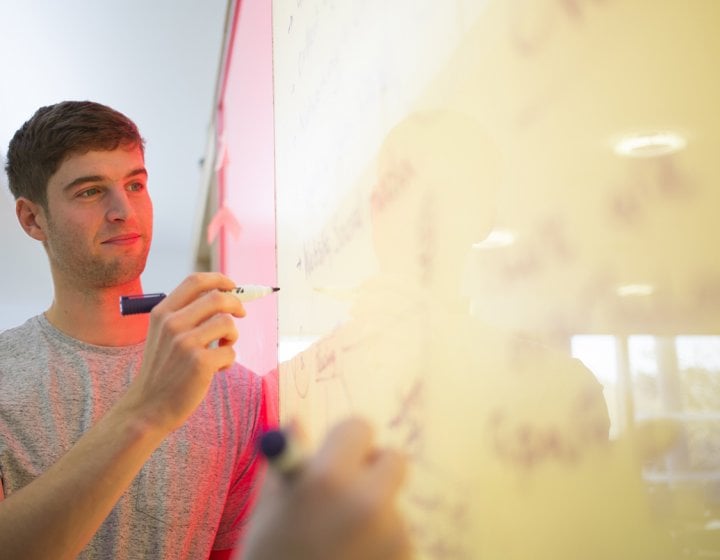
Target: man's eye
x: 87, y: 193
x: 136, y: 187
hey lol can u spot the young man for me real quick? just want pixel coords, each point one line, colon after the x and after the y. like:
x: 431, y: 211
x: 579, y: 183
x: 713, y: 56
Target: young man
x: 134, y: 437
x: 120, y: 437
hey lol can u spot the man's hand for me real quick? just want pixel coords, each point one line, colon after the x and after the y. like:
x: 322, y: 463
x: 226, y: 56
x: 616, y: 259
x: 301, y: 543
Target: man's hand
x: 340, y: 505
x: 180, y: 356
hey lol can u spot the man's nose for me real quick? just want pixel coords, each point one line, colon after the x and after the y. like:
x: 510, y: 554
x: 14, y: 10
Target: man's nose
x: 119, y: 206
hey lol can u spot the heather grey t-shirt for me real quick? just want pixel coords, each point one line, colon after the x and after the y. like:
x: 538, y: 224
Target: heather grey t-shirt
x: 195, y: 491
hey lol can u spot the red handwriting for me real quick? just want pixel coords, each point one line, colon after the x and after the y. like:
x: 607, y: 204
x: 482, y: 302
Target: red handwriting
x: 650, y: 181
x: 391, y: 184
x: 526, y: 444
x: 408, y: 421
x: 326, y: 363
x: 334, y: 239
x: 532, y: 23
x: 438, y: 542
x: 548, y: 247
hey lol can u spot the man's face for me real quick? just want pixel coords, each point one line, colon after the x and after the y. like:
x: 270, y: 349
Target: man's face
x: 99, y: 218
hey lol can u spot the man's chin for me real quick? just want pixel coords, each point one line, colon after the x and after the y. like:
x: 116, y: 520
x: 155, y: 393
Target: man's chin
x: 114, y: 276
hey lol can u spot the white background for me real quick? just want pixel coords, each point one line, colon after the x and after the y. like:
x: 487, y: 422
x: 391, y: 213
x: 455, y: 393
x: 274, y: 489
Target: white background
x: 156, y: 61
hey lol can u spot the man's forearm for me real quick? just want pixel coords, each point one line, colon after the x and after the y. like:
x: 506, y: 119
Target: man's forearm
x: 59, y: 512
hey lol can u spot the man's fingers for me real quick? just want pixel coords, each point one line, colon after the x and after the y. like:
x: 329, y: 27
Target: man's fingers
x: 222, y: 357
x: 298, y: 432
x: 192, y: 287
x: 385, y: 475
x: 200, y: 311
x: 210, y: 304
x: 345, y: 450
x: 218, y: 327
x: 215, y: 359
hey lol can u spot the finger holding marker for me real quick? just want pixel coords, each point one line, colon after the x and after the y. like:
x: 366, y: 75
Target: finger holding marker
x: 344, y: 453
x: 346, y: 450
x: 144, y: 303
x: 385, y: 475
x: 193, y: 287
x: 373, y: 490
x: 206, y: 306
x: 227, y: 298
x: 285, y: 450
x: 178, y: 361
x: 204, y: 318
x: 323, y: 506
x: 220, y: 329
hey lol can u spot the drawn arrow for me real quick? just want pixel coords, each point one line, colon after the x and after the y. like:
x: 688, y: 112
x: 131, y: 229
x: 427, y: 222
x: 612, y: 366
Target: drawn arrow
x: 223, y: 218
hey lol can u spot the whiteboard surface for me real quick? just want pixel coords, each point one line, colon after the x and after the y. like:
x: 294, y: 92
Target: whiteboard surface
x: 468, y: 259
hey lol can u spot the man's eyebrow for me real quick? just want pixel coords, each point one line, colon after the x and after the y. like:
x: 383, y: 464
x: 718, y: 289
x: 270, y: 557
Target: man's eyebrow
x: 138, y: 171
x: 99, y: 178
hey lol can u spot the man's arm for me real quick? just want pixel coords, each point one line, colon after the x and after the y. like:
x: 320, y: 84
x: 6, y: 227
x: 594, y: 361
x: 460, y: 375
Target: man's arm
x: 57, y: 514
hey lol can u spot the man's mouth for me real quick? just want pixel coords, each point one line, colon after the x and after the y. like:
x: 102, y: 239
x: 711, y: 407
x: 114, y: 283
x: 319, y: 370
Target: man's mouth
x: 124, y: 239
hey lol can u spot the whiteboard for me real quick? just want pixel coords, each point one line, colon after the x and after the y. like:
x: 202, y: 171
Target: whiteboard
x: 496, y: 239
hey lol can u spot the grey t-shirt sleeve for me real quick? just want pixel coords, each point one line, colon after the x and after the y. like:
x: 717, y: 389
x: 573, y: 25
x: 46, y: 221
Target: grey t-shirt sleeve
x: 245, y: 390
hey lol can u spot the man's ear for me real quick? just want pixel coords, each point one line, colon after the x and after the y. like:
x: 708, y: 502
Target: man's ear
x: 31, y: 216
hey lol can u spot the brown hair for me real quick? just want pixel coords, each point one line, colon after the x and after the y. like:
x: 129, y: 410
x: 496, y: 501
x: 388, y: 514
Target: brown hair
x: 56, y: 132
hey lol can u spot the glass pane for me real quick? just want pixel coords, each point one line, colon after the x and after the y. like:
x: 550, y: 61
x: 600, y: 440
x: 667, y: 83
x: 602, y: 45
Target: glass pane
x: 471, y: 195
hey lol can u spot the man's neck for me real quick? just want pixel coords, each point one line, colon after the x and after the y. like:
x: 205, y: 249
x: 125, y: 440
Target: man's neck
x: 93, y: 316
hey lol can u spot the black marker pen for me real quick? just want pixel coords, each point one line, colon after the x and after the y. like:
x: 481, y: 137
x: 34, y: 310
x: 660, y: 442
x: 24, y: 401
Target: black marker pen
x: 143, y: 303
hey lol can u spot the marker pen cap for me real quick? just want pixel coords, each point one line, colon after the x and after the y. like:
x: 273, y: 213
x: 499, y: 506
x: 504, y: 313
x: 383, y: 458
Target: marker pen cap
x: 131, y: 305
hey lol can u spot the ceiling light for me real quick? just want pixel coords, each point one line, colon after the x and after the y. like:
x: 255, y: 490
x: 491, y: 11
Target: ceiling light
x: 629, y: 290
x: 649, y: 145
x: 495, y: 239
